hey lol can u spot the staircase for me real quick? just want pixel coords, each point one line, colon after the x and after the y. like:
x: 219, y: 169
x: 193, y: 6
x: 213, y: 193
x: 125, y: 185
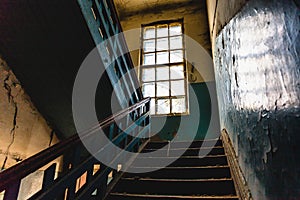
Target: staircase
x: 189, y: 177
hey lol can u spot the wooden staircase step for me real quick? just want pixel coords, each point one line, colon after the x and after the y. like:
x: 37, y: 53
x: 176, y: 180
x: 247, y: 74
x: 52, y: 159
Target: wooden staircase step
x: 125, y: 196
x: 184, y: 144
x: 217, y: 150
x: 188, y: 177
x: 176, y: 186
x: 185, y: 173
x: 193, y: 161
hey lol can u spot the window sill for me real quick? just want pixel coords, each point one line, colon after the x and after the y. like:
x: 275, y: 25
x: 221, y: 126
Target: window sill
x: 172, y: 115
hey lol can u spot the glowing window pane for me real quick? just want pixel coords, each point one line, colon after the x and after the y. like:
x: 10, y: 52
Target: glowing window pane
x: 176, y: 42
x: 175, y: 29
x: 162, y: 44
x: 163, y: 106
x: 149, y: 45
x: 148, y: 74
x: 162, y: 30
x: 177, y: 72
x: 162, y: 58
x: 162, y: 89
x: 178, y: 105
x: 149, y: 59
x: 149, y: 32
x: 152, y: 106
x: 176, y: 56
x: 149, y: 89
x: 162, y: 73
x: 177, y: 88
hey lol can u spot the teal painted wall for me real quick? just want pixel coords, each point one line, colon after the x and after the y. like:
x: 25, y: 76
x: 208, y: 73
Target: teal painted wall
x: 257, y: 65
x: 206, y: 98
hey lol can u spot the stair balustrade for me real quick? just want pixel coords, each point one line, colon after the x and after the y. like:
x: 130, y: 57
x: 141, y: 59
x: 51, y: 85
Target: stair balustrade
x: 137, y: 124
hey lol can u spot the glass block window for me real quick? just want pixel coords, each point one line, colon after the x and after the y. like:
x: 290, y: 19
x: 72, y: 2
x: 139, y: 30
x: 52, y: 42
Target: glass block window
x: 163, y: 68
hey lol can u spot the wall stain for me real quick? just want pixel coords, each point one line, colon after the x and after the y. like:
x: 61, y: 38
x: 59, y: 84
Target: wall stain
x: 51, y: 137
x: 7, y: 87
x: 12, y: 100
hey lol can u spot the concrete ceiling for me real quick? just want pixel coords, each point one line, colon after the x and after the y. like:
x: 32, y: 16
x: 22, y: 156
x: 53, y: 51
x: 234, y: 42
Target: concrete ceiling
x: 127, y: 8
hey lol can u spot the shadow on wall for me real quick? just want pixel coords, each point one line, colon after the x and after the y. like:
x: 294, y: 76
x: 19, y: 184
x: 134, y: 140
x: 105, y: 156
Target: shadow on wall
x: 267, y: 144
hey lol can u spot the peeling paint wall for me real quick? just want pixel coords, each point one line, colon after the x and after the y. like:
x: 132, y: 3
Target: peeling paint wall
x: 220, y: 12
x: 257, y: 68
x: 23, y: 131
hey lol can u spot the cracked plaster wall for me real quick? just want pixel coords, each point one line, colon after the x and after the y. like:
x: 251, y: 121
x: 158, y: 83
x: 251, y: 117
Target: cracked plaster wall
x: 23, y: 131
x: 257, y: 68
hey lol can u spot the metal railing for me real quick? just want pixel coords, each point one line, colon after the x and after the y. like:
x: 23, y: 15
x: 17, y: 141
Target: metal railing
x: 105, y: 28
x: 135, y: 119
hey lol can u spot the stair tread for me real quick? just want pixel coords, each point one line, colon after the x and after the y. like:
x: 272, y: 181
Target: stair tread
x: 182, y: 161
x: 187, y: 167
x: 175, y: 187
x: 181, y: 173
x: 192, y: 148
x: 171, y: 157
x: 166, y: 141
x: 184, y: 144
x: 178, y: 180
x: 175, y: 196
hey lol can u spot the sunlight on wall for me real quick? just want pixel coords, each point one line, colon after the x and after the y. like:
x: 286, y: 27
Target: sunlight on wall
x: 258, y: 78
x: 263, y: 72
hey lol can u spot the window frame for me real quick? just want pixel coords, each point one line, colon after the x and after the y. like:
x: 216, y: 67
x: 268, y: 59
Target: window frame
x: 170, y: 97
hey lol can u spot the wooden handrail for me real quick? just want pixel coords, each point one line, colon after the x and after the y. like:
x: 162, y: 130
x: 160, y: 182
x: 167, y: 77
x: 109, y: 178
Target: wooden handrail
x: 35, y: 162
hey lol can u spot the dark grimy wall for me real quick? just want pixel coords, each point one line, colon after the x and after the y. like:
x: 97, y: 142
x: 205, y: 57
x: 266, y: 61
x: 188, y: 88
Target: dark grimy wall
x: 45, y: 43
x: 258, y: 84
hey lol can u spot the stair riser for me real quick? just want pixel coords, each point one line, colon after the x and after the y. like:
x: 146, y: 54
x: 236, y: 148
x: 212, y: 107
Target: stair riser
x: 189, y: 152
x: 194, y: 173
x: 196, y: 144
x: 224, y: 187
x: 115, y: 197
x: 181, y: 162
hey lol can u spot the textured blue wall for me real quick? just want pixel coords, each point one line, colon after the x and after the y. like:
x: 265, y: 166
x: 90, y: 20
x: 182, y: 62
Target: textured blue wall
x: 258, y: 85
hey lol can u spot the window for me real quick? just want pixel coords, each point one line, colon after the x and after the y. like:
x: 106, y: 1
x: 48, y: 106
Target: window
x: 163, y: 70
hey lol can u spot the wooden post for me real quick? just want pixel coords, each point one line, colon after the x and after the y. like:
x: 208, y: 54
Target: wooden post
x: 49, y: 175
x: 12, y: 191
